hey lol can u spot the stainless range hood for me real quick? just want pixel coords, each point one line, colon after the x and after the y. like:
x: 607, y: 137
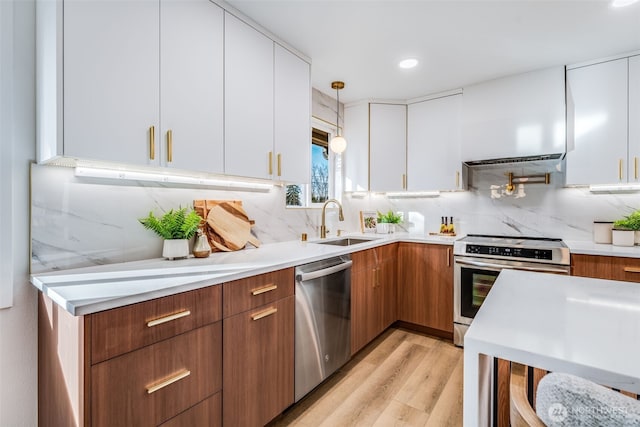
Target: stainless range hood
x: 481, y: 174
x: 551, y: 158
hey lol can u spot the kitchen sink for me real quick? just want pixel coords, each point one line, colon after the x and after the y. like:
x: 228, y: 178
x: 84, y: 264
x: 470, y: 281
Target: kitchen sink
x: 346, y: 241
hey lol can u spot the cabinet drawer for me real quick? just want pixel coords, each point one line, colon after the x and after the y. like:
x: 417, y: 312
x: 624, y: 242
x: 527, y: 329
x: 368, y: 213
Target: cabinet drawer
x: 207, y: 413
x: 606, y: 267
x: 245, y: 294
x: 148, y: 386
x: 117, y: 331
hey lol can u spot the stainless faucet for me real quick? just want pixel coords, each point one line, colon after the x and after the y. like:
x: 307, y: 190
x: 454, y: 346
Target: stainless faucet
x: 323, y: 228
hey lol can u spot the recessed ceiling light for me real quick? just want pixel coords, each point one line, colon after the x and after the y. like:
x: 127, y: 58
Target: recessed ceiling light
x: 412, y: 62
x: 622, y: 3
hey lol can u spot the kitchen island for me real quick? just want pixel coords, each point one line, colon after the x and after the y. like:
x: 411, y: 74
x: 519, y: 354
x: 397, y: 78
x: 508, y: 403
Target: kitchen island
x: 582, y: 326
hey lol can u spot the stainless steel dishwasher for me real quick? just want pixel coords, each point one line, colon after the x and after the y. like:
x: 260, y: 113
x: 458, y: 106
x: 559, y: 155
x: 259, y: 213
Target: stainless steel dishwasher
x: 323, y: 321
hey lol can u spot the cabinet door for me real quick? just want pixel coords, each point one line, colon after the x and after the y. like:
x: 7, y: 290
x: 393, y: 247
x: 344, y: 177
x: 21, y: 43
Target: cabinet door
x: 258, y: 364
x: 248, y: 100
x: 292, y: 117
x: 433, y: 144
x: 111, y: 80
x: 425, y: 285
x: 388, y: 147
x: 363, y: 298
x: 191, y: 64
x: 519, y: 115
x: 597, y: 123
x: 634, y: 118
x: 356, y: 156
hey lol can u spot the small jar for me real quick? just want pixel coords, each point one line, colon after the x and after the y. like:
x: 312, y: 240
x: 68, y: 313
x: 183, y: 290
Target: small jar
x: 201, y: 249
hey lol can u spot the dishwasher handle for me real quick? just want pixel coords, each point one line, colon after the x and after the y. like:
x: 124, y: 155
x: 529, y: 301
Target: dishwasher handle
x: 302, y: 277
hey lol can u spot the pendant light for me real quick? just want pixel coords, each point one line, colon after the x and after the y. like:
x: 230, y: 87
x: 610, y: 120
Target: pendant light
x: 338, y: 144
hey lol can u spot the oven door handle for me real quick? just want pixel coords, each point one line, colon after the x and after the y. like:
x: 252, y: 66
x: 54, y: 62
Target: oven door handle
x: 510, y: 267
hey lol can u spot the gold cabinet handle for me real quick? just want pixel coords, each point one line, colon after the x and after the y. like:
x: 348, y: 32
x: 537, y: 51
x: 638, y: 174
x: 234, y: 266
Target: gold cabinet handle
x: 377, y: 278
x: 170, y: 145
x: 268, y: 288
x: 448, y: 257
x: 404, y: 181
x: 620, y: 170
x: 270, y: 162
x: 172, y: 379
x: 152, y: 142
x: 632, y: 270
x: 169, y: 318
x: 457, y: 180
x: 279, y: 164
x: 635, y: 167
x: 264, y: 313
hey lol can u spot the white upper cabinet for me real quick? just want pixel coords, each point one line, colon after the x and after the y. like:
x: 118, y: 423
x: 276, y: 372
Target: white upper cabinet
x: 433, y: 144
x: 515, y: 116
x: 356, y: 156
x: 292, y: 117
x: 249, y: 97
x: 388, y: 147
x: 191, y: 77
x: 597, y: 123
x: 634, y: 119
x: 111, y: 81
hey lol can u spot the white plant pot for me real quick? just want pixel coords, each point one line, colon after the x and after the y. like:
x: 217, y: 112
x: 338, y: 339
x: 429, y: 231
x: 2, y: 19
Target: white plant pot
x: 637, y: 239
x: 623, y: 237
x: 176, y: 248
x: 384, y: 228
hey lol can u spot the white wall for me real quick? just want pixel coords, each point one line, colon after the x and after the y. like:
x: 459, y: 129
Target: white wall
x: 18, y: 324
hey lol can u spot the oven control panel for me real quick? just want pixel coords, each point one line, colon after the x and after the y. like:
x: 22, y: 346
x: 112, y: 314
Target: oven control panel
x: 529, y: 253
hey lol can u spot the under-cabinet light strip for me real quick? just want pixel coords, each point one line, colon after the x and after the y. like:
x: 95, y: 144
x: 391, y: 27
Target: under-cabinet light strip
x: 87, y: 172
x: 614, y: 188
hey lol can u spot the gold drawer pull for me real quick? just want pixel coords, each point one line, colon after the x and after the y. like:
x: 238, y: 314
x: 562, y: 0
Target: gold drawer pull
x: 168, y: 318
x: 265, y: 313
x: 267, y: 288
x: 162, y: 384
x: 632, y: 270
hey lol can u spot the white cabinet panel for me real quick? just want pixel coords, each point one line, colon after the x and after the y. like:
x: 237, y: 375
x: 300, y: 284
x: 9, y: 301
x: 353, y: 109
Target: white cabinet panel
x: 191, y: 73
x: 515, y: 116
x: 634, y: 119
x: 433, y: 144
x: 388, y: 147
x: 111, y: 80
x: 248, y: 100
x: 356, y: 156
x: 292, y: 117
x: 597, y: 124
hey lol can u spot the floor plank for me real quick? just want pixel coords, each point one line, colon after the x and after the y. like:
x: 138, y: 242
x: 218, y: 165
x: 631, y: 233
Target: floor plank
x: 401, y: 379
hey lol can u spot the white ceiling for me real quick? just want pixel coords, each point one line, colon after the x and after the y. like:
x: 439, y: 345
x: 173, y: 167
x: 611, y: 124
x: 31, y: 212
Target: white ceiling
x: 457, y: 42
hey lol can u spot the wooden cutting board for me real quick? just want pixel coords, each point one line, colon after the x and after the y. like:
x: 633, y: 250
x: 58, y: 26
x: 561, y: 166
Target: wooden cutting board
x: 203, y: 207
x: 230, y: 221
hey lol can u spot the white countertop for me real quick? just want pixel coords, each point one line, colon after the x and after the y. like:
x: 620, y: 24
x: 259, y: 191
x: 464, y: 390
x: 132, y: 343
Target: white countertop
x: 587, y: 327
x: 92, y: 289
x: 590, y: 248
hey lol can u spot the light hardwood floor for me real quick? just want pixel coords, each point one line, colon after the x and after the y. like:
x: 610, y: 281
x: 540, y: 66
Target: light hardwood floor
x: 400, y: 379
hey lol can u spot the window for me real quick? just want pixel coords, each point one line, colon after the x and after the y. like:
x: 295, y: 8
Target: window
x: 325, y: 181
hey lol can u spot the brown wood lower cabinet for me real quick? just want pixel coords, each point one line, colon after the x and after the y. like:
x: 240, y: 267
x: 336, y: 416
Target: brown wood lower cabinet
x: 373, y: 293
x: 425, y: 286
x: 258, y: 363
x: 606, y: 267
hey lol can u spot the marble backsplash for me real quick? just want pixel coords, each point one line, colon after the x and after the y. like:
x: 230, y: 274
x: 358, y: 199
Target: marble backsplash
x: 78, y: 222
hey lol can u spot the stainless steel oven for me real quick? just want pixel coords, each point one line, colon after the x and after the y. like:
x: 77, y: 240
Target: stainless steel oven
x: 478, y: 260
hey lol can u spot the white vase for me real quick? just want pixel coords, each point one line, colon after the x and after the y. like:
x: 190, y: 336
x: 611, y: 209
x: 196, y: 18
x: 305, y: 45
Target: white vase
x: 623, y: 237
x: 176, y: 248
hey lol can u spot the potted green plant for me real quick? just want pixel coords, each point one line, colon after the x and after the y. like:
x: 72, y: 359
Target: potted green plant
x: 386, y: 222
x: 176, y: 227
x: 626, y: 231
